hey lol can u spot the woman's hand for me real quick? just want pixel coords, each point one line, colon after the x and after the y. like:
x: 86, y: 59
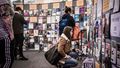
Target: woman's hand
x: 67, y: 56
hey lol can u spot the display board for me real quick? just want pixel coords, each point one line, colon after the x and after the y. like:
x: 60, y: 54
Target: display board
x: 43, y: 19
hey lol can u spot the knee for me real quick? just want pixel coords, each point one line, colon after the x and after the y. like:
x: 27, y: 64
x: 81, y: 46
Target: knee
x: 73, y: 54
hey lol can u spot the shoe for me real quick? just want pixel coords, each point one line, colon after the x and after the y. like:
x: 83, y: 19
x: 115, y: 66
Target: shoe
x: 23, y: 58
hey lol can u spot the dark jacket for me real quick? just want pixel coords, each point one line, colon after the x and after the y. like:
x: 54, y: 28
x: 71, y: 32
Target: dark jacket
x: 18, y: 23
x: 71, y: 21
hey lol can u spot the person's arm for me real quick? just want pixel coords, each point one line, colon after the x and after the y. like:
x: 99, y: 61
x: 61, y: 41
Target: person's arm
x: 61, y: 47
x: 23, y: 21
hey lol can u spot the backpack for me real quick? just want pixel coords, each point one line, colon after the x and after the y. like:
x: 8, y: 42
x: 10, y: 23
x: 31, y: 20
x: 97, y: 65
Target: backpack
x: 63, y: 23
x: 76, y: 32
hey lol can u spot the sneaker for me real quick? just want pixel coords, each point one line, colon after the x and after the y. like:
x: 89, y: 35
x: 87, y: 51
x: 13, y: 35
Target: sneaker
x: 23, y: 58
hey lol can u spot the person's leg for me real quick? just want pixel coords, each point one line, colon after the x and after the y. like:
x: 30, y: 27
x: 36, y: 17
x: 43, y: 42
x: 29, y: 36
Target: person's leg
x: 6, y: 63
x: 74, y: 55
x: 20, y: 44
x: 12, y: 53
x: 71, y: 62
x: 2, y: 53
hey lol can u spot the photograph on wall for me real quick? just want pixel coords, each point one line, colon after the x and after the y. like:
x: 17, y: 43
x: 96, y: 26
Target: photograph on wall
x: 57, y: 19
x: 31, y: 32
x: 53, y: 19
x: 54, y: 11
x: 33, y: 19
x: 113, y: 52
x: 44, y: 19
x: 77, y: 9
x: 35, y: 32
x: 77, y: 17
x: 49, y: 27
x: 49, y: 12
x: 30, y: 26
x: 40, y: 32
x: 41, y: 12
x: 58, y: 11
x: 118, y: 55
x: 26, y: 12
x: 40, y: 19
x: 49, y: 19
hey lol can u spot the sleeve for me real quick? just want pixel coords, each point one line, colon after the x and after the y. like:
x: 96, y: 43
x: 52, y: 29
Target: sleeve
x: 61, y: 47
x: 23, y: 20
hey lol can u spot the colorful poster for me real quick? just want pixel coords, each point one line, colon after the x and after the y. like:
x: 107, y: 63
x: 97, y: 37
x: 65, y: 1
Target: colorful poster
x: 76, y: 17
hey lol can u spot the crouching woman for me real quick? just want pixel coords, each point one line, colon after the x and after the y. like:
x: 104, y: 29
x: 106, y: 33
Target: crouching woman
x: 64, y: 48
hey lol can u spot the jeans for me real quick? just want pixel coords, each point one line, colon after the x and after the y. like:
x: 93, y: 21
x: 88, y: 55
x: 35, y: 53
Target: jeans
x: 71, y: 62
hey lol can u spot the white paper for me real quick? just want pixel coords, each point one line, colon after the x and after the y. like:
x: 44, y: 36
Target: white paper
x: 36, y: 47
x: 53, y: 26
x: 111, y: 4
x: 53, y: 19
x: 40, y: 20
x: 99, y: 8
x: 44, y: 26
x: 77, y: 10
x: 116, y: 6
x: 30, y: 26
x: 115, y: 24
x: 48, y: 19
x: 32, y: 40
x: 35, y: 32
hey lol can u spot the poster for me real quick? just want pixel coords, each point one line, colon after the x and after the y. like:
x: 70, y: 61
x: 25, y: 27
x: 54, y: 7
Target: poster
x: 99, y: 8
x: 35, y: 32
x: 118, y: 54
x: 77, y: 10
x: 76, y: 17
x: 48, y: 19
x: 68, y: 3
x: 30, y: 26
x: 113, y: 52
x: 111, y: 4
x: 115, y: 24
x: 80, y: 3
x: 33, y: 19
x: 33, y: 7
x: 56, y: 5
x: 116, y: 5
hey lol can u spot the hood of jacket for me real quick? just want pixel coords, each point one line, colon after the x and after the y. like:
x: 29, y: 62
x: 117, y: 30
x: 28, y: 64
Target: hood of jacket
x: 65, y: 15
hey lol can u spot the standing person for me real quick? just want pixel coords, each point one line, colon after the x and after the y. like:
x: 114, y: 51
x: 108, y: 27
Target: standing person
x: 6, y: 35
x: 64, y: 48
x: 18, y: 22
x: 67, y: 20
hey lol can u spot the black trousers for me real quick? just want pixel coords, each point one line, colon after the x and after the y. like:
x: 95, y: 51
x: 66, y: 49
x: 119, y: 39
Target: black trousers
x: 19, y: 38
x: 6, y: 53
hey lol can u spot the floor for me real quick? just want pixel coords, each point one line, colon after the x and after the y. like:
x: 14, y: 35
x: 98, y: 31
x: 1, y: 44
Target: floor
x: 36, y: 60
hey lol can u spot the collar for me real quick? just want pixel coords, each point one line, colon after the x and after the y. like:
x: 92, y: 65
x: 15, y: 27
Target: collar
x: 17, y: 12
x: 64, y: 36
